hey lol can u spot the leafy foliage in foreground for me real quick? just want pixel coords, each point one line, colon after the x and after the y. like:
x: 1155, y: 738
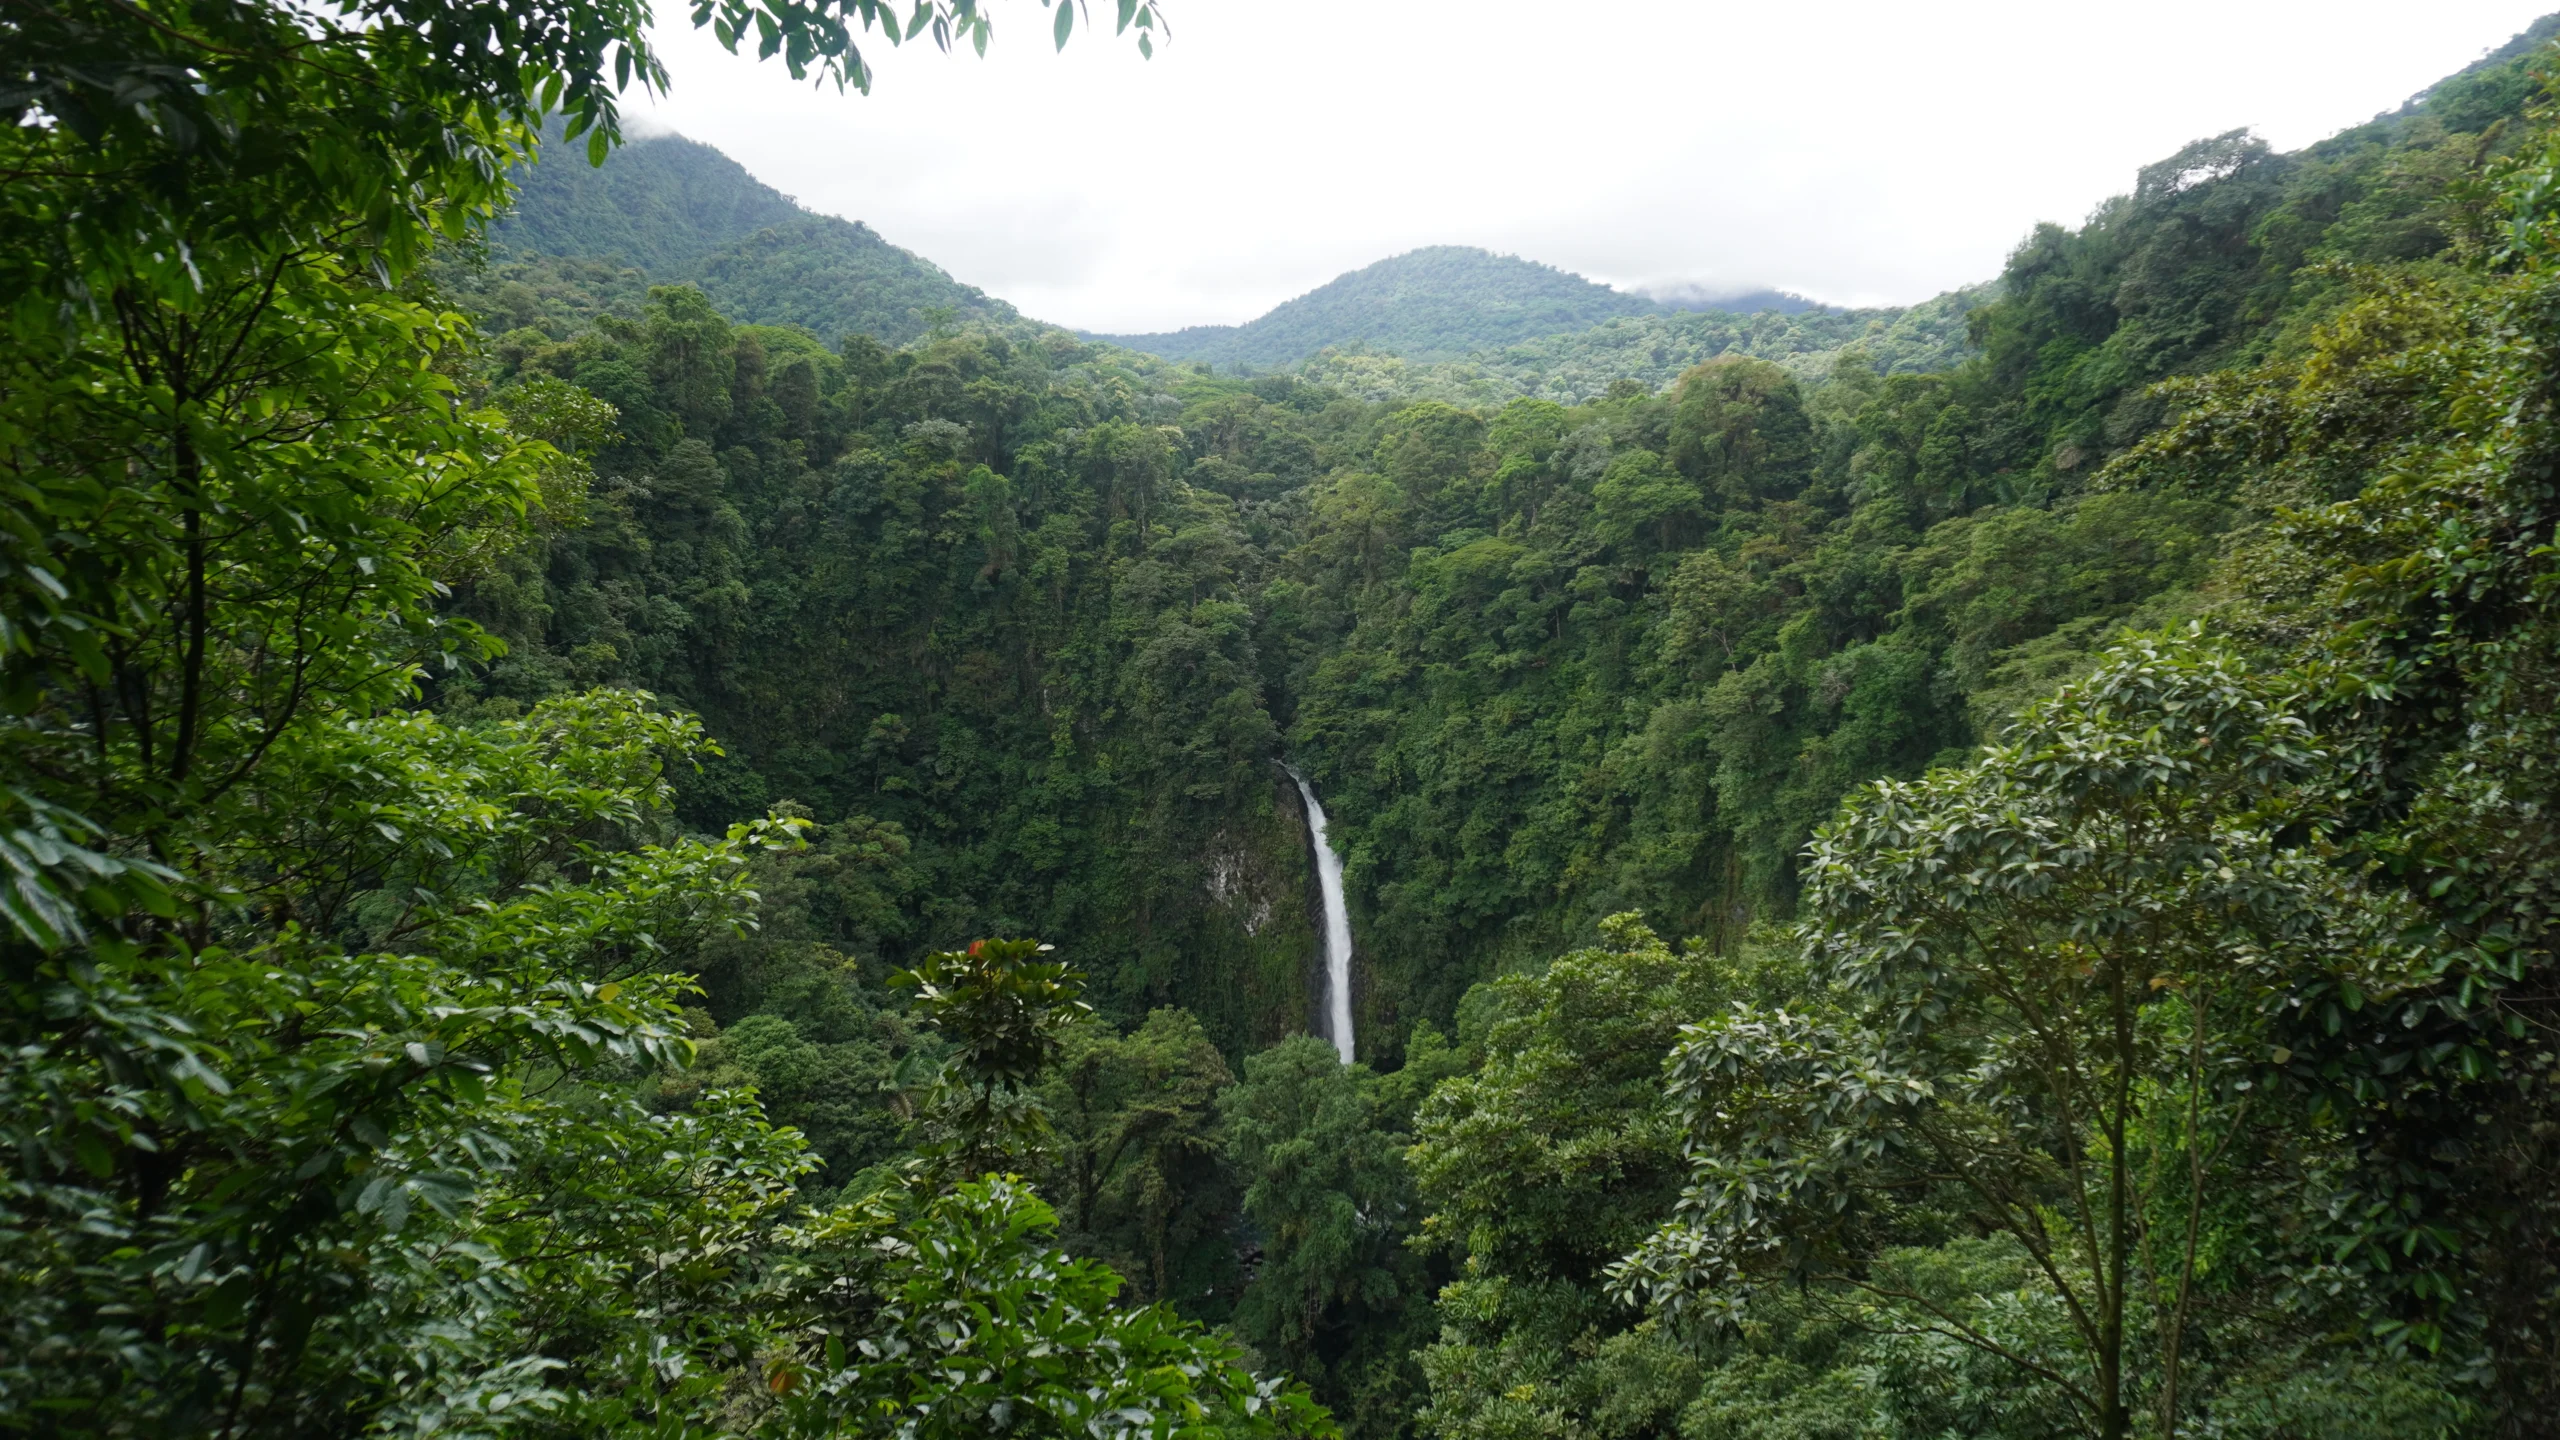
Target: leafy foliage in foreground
x: 331, y: 1025
x: 2039, y: 996
x: 2179, y: 1061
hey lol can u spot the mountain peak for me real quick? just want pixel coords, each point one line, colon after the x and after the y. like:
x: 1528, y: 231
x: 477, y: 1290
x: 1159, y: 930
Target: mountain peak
x: 1435, y: 303
x: 679, y: 211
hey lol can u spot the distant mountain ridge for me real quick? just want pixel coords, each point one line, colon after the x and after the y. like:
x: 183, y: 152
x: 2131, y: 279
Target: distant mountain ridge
x: 1654, y: 350
x: 1441, y: 302
x: 679, y: 211
x: 667, y: 210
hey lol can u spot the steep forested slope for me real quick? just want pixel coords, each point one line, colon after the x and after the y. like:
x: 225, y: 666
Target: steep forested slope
x: 1627, y: 657
x: 658, y: 204
x: 969, y: 592
x: 1622, y: 650
x: 408, y: 1026
x: 671, y: 209
x: 2222, y: 255
x: 1430, y: 304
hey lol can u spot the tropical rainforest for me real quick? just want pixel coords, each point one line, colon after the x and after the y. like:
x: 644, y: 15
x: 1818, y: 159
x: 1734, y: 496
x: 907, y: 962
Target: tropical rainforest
x: 578, y: 238
x: 627, y: 811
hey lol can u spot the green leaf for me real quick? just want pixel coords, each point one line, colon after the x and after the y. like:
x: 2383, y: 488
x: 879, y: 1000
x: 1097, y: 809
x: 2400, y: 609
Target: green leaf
x: 94, y: 1154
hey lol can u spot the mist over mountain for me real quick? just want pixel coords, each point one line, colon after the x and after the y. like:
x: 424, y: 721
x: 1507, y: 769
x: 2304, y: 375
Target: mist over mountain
x: 1731, y: 301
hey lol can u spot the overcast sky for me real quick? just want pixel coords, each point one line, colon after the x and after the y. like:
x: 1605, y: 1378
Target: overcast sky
x: 1858, y: 153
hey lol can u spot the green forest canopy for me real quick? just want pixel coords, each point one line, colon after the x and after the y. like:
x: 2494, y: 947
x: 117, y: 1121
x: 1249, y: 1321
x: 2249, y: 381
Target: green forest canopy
x: 510, y: 821
x: 667, y: 210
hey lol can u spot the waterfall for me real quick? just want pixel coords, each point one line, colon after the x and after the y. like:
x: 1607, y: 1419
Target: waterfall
x: 1337, y: 926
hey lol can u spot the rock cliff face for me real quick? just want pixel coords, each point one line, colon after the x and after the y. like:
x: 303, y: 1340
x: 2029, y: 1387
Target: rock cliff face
x: 1261, y: 927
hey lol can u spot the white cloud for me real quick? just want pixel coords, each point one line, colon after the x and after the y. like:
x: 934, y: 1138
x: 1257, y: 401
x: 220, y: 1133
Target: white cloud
x: 1859, y: 152
x: 644, y: 124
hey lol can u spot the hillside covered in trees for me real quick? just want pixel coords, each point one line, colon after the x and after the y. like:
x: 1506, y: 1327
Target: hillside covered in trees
x: 1446, y: 323
x: 1436, y: 303
x: 1656, y: 350
x: 585, y: 857
x: 1455, y: 322
x: 579, y: 238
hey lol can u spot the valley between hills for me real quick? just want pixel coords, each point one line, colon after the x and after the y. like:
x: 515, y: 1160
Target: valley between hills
x: 629, y: 811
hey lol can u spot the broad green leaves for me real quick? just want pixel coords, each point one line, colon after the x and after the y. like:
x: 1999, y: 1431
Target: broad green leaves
x: 249, y: 1170
x: 821, y: 37
x: 959, y: 1320
x: 1002, y: 1007
x: 2046, y: 982
x: 1005, y: 1011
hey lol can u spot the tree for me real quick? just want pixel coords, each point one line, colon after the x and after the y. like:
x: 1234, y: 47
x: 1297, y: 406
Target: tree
x: 1006, y: 1012
x: 1138, y: 1162
x: 938, y: 1309
x: 296, y: 1179
x: 1337, y: 1295
x: 2051, y: 974
x: 1554, y: 1156
x: 1738, y: 429
x: 957, y: 1321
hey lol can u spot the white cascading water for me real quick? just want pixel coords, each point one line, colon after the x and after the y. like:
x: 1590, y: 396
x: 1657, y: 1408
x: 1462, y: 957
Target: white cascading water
x: 1337, y: 926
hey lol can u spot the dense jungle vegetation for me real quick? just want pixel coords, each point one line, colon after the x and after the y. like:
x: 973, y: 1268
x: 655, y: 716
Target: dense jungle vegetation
x: 1989, y: 888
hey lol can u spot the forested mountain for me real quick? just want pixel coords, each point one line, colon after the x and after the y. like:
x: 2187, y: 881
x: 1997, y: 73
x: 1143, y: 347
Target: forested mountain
x: 1984, y: 870
x: 1436, y: 303
x: 1469, y: 327
x: 1655, y: 350
x: 1444, y: 323
x: 667, y: 209
x: 659, y: 204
